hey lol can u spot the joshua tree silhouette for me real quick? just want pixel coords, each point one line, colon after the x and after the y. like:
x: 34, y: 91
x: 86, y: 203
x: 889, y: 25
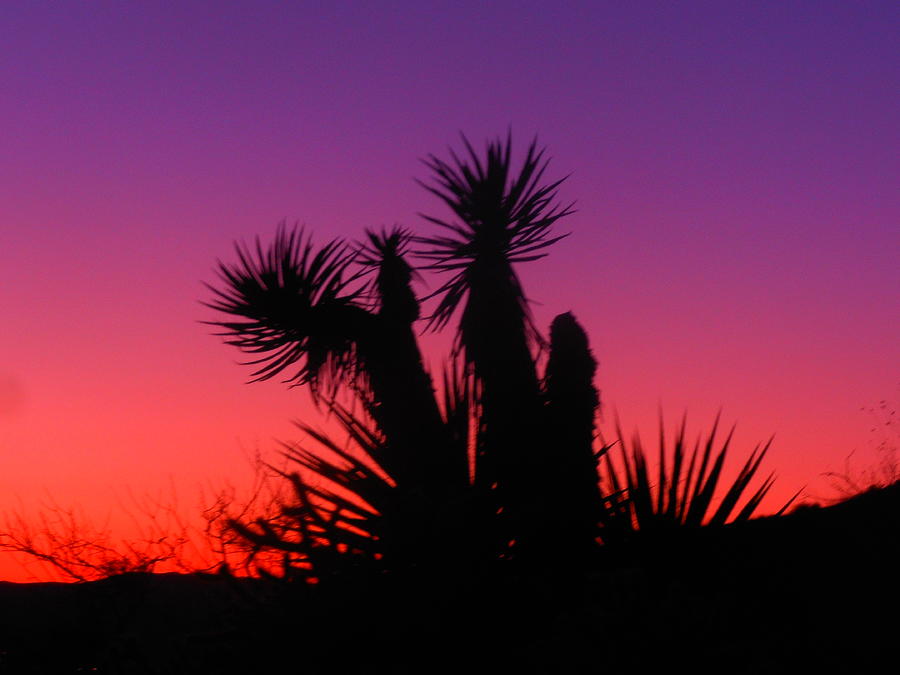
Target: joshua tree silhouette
x: 501, y: 465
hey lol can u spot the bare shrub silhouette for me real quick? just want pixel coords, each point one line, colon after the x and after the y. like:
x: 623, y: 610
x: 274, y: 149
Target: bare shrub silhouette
x: 66, y: 542
x: 76, y: 547
x: 852, y: 480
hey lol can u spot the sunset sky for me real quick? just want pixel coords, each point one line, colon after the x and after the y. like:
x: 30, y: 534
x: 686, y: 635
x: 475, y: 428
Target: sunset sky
x: 734, y: 167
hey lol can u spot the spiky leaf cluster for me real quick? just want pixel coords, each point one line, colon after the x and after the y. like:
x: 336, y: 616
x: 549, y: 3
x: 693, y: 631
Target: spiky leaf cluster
x: 503, y: 217
x: 297, y: 307
x: 497, y: 463
x: 685, y: 487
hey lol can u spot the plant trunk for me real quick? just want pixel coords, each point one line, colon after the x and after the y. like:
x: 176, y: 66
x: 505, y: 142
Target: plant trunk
x: 494, y: 334
x: 572, y: 403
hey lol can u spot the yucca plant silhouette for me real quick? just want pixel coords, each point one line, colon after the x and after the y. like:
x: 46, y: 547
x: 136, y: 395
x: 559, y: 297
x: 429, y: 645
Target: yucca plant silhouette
x: 305, y: 312
x: 502, y: 218
x: 683, y: 492
x: 498, y: 463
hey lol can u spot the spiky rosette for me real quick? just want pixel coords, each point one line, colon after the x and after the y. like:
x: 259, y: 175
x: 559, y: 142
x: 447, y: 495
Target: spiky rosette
x: 503, y: 216
x: 297, y: 307
x: 390, y: 290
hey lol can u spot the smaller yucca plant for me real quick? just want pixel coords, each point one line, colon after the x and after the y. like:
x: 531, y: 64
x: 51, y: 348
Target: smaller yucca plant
x: 683, y: 491
x: 334, y: 517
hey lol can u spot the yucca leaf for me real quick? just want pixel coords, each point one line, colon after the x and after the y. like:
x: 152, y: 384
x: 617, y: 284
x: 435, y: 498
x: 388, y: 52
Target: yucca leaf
x: 739, y: 485
x: 671, y: 512
x: 701, y: 501
x: 704, y: 461
x: 662, y: 480
x: 641, y: 494
x: 790, y: 501
x: 690, y: 479
x: 755, y: 499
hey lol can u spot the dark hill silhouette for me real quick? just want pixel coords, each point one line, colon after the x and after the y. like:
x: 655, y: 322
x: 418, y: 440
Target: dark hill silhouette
x: 813, y: 591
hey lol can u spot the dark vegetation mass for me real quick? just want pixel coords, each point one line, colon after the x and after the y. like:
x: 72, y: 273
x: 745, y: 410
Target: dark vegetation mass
x: 473, y: 517
x: 498, y: 466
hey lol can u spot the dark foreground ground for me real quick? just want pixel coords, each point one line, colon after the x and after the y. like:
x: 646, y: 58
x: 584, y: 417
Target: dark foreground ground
x: 813, y: 592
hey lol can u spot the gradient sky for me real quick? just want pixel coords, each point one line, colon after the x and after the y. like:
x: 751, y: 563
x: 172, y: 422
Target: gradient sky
x: 734, y: 166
